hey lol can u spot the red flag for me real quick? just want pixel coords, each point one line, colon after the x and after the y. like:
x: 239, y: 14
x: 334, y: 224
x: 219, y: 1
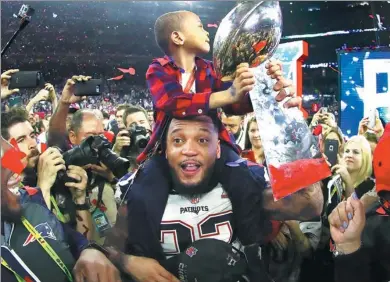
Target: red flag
x: 43, y: 147
x: 12, y: 159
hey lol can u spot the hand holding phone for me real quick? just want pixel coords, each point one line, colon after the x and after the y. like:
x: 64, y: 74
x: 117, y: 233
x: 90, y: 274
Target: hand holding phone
x: 26, y: 79
x: 92, y: 87
x: 331, y: 150
x: 5, y: 89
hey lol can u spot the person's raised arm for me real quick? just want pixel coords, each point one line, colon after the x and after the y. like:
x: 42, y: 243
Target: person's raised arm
x: 303, y: 205
x: 57, y: 126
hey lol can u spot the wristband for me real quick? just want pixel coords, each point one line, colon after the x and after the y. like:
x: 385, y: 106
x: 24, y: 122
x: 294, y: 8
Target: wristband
x: 94, y: 245
x: 83, y: 207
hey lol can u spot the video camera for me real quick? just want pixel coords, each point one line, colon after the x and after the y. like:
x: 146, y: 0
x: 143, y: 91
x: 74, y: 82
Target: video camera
x: 93, y: 150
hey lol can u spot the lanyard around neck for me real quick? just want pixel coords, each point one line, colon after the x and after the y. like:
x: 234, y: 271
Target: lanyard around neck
x: 49, y: 250
x: 17, y: 276
x: 59, y: 214
x: 190, y: 81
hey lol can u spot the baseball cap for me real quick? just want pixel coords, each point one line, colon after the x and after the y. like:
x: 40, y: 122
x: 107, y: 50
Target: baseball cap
x: 208, y: 260
x: 382, y: 162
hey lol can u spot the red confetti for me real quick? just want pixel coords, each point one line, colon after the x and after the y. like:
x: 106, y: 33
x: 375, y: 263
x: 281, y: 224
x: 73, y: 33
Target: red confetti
x: 371, y: 16
x: 117, y: 77
x: 129, y: 70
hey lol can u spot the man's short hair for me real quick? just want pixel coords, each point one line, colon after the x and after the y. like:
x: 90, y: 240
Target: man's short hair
x: 13, y: 116
x: 214, y: 119
x: 131, y: 109
x: 77, y: 119
x: 164, y: 26
x: 229, y: 116
x: 122, y: 107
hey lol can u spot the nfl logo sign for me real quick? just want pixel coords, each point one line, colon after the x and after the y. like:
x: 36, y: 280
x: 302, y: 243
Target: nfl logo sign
x: 191, y: 251
x: 194, y: 201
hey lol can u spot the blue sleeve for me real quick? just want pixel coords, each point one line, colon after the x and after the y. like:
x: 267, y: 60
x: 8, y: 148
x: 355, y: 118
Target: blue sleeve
x: 76, y: 240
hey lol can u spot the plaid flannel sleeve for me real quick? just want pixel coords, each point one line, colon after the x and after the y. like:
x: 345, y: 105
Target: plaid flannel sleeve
x: 168, y: 95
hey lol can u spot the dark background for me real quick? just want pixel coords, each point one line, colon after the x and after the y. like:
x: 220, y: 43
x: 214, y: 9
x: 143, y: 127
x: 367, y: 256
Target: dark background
x: 94, y: 38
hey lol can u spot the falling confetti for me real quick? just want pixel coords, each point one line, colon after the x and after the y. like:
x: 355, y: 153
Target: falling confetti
x: 54, y: 15
x: 212, y: 25
x: 116, y: 78
x: 130, y: 71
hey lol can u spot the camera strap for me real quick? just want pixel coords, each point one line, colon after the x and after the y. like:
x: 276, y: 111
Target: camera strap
x: 49, y: 250
x: 59, y: 214
x: 100, y: 185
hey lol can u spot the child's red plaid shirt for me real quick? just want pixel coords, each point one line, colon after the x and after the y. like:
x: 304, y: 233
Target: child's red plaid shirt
x: 169, y: 100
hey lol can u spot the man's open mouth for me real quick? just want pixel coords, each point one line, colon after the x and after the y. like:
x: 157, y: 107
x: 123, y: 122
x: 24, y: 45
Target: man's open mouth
x: 190, y: 166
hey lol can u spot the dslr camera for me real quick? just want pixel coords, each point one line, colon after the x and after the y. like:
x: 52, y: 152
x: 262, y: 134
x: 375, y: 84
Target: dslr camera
x: 93, y: 150
x: 139, y: 136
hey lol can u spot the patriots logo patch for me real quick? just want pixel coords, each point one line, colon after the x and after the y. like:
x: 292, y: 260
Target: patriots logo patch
x: 191, y: 251
x: 44, y: 229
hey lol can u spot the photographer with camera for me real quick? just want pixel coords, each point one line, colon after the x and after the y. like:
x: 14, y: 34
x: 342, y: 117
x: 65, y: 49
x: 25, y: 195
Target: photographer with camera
x: 131, y: 142
x: 42, y: 170
x: 91, y: 151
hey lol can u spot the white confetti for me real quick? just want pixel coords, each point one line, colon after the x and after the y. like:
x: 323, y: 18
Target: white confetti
x: 15, y: 16
x: 366, y: 55
x: 355, y: 59
x: 54, y: 15
x: 352, y: 107
x: 347, y: 93
x: 343, y: 105
x: 348, y: 131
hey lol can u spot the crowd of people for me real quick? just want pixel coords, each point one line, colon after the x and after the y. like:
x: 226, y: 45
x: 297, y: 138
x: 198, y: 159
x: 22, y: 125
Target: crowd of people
x: 178, y: 188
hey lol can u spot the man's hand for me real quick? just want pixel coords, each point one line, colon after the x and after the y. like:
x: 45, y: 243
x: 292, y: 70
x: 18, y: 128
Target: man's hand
x: 283, y: 85
x: 243, y: 83
x: 101, y: 170
x: 122, y: 140
x: 77, y: 188
x: 52, y: 92
x: 42, y: 95
x: 280, y: 241
x: 148, y: 270
x: 49, y: 164
x: 5, y: 77
x: 347, y: 222
x: 68, y: 96
x: 93, y: 266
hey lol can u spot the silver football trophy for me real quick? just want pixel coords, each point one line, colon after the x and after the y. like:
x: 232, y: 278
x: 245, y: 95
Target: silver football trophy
x: 251, y: 33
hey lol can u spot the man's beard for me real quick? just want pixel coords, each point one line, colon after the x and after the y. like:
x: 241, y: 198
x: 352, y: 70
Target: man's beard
x: 203, y: 187
x: 31, y: 162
